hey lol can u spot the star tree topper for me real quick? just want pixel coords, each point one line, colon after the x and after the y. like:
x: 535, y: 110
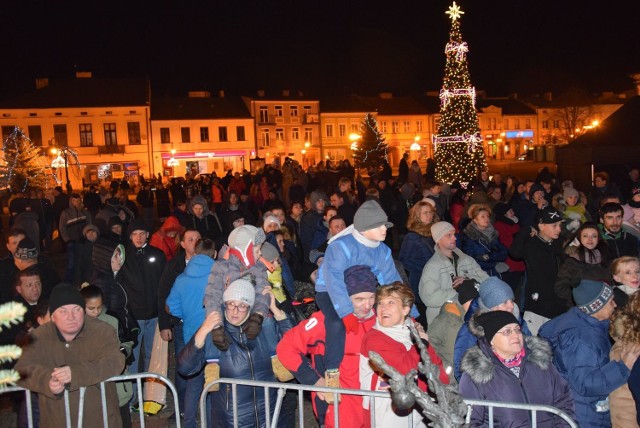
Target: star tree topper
x: 454, y: 12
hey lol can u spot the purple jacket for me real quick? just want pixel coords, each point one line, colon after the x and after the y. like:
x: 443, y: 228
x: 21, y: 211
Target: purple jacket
x: 486, y: 378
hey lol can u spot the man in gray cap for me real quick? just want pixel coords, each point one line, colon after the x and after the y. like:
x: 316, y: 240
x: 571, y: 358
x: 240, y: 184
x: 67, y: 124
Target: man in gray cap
x: 362, y: 243
x: 70, y: 352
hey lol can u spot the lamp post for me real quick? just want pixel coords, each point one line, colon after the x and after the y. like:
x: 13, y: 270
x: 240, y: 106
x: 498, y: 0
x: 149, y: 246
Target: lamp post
x: 61, y: 160
x: 354, y: 147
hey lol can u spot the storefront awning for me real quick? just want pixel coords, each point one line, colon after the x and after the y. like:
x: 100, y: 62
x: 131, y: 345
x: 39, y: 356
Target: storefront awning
x: 204, y: 154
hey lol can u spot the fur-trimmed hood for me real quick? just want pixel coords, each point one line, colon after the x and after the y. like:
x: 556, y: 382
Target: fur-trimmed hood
x: 480, y: 363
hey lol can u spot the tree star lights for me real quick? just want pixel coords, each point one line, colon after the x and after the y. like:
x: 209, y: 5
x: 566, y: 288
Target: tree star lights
x: 454, y: 12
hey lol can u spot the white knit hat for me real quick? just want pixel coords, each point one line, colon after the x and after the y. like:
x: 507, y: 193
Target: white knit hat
x: 240, y: 290
x: 439, y: 229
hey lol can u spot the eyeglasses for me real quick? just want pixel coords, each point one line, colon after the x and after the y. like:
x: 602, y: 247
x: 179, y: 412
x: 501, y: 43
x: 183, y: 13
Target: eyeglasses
x: 233, y: 306
x: 509, y: 331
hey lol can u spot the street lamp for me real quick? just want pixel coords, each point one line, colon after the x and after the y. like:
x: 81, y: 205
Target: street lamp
x: 415, y: 146
x: 62, y: 160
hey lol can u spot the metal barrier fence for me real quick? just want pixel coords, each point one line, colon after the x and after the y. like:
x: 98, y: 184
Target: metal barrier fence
x: 103, y: 399
x: 272, y: 420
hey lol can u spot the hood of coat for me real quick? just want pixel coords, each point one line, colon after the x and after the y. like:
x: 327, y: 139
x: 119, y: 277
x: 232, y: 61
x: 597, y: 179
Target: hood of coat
x: 172, y: 224
x: 103, y: 250
x: 199, y: 265
x: 480, y: 363
x: 200, y: 200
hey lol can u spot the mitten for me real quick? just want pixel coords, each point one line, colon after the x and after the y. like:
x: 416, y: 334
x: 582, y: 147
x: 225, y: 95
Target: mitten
x: 351, y: 323
x: 220, y: 339
x: 253, y: 326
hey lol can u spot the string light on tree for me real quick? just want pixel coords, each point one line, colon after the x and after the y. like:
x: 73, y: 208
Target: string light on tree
x: 369, y: 150
x: 459, y: 152
x: 24, y: 163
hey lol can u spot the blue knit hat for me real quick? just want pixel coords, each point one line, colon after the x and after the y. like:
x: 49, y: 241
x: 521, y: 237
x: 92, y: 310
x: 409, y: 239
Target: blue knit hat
x: 591, y: 296
x: 360, y: 279
x: 494, y: 292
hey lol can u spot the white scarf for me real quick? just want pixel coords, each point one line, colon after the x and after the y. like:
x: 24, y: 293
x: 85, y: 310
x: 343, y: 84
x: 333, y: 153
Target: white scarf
x: 399, y: 333
x: 628, y: 290
x: 357, y: 236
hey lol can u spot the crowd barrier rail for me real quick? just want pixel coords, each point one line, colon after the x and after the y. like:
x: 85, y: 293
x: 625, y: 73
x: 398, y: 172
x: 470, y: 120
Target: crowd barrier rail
x: 138, y: 378
x: 272, y: 420
x: 282, y: 388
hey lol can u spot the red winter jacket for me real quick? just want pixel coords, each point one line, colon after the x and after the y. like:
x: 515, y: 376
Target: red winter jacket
x: 301, y: 351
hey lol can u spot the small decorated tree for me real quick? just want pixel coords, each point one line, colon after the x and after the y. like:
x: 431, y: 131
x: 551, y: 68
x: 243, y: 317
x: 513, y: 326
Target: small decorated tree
x: 370, y: 151
x: 23, y: 166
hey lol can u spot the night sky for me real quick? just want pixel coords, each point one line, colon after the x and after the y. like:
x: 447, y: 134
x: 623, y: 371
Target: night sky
x: 322, y: 46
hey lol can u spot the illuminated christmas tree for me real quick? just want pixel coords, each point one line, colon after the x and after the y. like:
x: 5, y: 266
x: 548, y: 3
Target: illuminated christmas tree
x: 459, y: 153
x: 23, y: 167
x: 370, y: 150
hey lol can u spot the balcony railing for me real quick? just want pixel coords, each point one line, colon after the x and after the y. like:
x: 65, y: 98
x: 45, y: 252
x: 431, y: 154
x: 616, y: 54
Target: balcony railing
x: 106, y: 150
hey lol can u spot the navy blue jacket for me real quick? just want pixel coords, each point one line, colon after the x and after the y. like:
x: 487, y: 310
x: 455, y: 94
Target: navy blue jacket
x: 484, y: 251
x: 245, y: 359
x: 581, y: 350
x: 415, y: 252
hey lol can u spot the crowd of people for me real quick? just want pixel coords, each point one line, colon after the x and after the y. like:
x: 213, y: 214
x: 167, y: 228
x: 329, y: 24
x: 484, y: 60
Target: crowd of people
x: 524, y: 290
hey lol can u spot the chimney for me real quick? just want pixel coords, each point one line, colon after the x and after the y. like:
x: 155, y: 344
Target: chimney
x: 199, y: 94
x: 83, y: 75
x: 261, y: 93
x: 636, y: 81
x: 385, y: 95
x: 286, y: 92
x: 300, y: 94
x: 548, y: 96
x: 221, y: 93
x: 514, y: 95
x: 42, y: 82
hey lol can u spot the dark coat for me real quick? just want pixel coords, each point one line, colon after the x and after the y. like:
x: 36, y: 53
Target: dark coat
x: 487, y: 252
x: 542, y: 260
x: 140, y: 276
x: 572, y: 271
x: 581, y: 350
x: 174, y: 268
x: 415, y: 252
x: 245, y: 359
x: 486, y: 378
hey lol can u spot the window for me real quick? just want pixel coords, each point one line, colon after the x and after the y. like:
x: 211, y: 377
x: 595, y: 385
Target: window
x: 264, y: 114
x: 329, y: 130
x: 545, y: 124
x: 86, y: 135
x: 6, y: 131
x: 418, y: 126
x: 185, y: 134
x: 516, y: 123
x: 383, y: 126
x: 133, y: 129
x: 355, y: 127
x: 279, y: 134
x: 35, y: 134
x: 240, y: 133
x: 266, y: 138
x: 60, y: 134
x: 407, y: 126
x: 295, y: 134
x: 204, y: 134
x: 342, y: 130
x: 110, y: 136
x: 306, y: 109
x: 308, y: 134
x: 527, y: 123
x: 279, y: 112
x: 294, y: 111
x: 506, y: 123
x: 556, y: 124
x: 165, y: 137
x: 493, y: 123
x: 394, y: 127
x: 222, y: 133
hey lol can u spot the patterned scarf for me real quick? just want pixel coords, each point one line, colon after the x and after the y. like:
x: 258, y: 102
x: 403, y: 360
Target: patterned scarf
x: 514, y: 363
